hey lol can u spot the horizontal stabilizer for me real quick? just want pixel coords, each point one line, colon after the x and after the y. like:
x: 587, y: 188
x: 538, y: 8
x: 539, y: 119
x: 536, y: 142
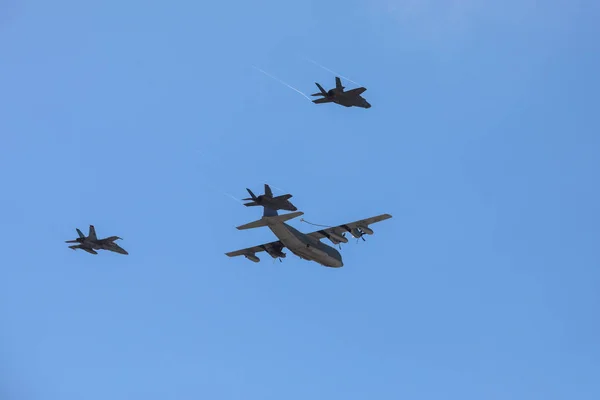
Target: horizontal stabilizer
x: 255, y: 224
x: 252, y: 203
x: 266, y: 221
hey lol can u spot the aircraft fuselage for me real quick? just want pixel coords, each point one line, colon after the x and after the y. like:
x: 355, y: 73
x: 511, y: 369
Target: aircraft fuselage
x: 104, y: 245
x: 351, y: 100
x: 306, y: 247
x: 279, y: 204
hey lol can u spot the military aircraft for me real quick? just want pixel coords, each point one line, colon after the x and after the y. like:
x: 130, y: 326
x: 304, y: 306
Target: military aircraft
x: 267, y: 200
x: 307, y: 246
x: 92, y: 243
x: 347, y: 99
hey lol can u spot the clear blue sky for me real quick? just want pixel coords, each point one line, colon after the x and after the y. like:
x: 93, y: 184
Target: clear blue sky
x: 139, y: 116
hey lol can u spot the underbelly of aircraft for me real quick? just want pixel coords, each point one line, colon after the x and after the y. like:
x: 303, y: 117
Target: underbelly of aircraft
x: 299, y: 247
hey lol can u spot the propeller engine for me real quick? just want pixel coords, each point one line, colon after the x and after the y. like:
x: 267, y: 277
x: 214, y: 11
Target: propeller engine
x: 275, y: 252
x: 358, y: 233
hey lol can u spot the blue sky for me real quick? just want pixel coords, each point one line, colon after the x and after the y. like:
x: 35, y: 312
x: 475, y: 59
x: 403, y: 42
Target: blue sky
x: 139, y: 117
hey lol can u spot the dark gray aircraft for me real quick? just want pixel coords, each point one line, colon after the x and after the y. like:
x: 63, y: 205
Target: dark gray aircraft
x: 267, y: 200
x: 347, y: 99
x: 307, y: 246
x: 92, y: 243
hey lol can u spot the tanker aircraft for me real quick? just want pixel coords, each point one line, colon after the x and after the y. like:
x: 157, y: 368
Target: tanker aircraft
x: 307, y: 246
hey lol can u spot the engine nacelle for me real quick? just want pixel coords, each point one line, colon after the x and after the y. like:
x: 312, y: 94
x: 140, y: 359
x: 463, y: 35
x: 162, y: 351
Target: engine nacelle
x: 334, y: 237
x: 366, y: 230
x: 277, y: 254
x: 252, y: 257
x: 356, y: 233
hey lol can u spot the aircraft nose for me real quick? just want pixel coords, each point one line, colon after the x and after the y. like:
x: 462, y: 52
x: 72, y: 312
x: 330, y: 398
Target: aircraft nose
x: 337, y: 264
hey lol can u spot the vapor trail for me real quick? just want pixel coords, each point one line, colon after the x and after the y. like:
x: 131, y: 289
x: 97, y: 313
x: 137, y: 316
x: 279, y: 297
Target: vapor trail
x: 234, y: 198
x: 333, y: 72
x: 276, y: 188
x: 282, y: 82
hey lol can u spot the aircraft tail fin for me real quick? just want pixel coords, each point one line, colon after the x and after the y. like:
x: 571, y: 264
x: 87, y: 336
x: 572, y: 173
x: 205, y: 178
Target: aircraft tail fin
x: 267, y: 220
x: 81, y: 235
x: 268, y: 191
x: 92, y: 234
x: 338, y: 84
x: 252, y: 195
x: 322, y: 93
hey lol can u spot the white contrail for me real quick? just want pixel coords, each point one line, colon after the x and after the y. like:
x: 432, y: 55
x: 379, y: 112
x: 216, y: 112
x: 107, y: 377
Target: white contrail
x: 282, y: 82
x: 333, y: 72
x: 234, y: 198
x: 275, y: 187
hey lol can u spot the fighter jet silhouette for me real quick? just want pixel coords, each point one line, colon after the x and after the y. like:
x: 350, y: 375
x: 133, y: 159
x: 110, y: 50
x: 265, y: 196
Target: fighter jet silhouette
x: 92, y: 243
x: 267, y: 200
x: 347, y: 99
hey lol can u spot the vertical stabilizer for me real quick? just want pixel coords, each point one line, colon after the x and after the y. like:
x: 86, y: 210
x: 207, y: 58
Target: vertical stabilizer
x: 92, y: 234
x: 269, y: 212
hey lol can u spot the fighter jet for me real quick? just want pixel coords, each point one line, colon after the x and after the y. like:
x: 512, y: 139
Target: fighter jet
x: 347, y: 99
x: 307, y: 246
x: 92, y: 243
x: 267, y: 200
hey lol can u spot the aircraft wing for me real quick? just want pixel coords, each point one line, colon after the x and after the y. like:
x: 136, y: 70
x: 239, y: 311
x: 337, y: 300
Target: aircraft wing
x: 276, y: 247
x: 323, y: 100
x: 350, y: 227
x: 356, y: 92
